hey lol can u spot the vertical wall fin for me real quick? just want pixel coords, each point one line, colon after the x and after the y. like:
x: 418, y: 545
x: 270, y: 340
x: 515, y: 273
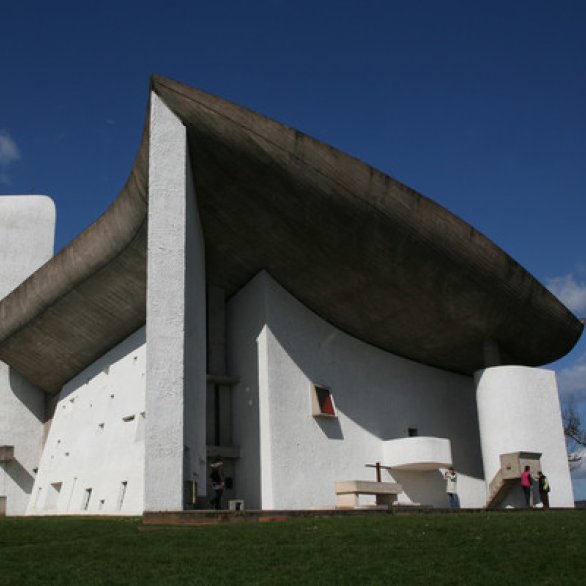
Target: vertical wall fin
x: 175, y: 393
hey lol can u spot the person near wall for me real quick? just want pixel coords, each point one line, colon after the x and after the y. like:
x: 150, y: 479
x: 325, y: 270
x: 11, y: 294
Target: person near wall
x: 543, y: 489
x: 217, y: 478
x: 451, y: 487
x: 526, y: 483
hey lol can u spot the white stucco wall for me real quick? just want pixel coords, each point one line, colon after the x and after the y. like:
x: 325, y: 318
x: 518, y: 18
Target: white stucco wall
x: 290, y: 459
x: 176, y: 326
x: 27, y: 232
x: 519, y: 410
x: 27, y: 229
x: 22, y: 412
x: 96, y: 440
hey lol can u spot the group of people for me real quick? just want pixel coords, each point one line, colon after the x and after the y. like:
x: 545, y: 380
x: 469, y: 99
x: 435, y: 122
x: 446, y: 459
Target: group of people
x: 217, y: 480
x: 526, y: 484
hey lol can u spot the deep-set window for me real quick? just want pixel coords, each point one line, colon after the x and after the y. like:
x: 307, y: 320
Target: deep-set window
x: 322, y: 401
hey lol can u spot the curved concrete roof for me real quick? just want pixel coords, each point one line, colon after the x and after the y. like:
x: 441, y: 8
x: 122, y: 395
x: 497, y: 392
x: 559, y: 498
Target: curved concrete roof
x: 372, y: 256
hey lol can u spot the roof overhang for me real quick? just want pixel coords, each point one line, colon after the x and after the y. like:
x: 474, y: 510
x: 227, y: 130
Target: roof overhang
x: 370, y: 255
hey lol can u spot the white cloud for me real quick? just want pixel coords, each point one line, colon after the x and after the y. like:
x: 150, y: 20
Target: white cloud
x: 572, y: 380
x: 9, y: 152
x: 570, y: 292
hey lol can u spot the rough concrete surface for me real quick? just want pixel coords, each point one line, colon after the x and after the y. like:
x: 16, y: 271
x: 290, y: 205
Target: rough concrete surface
x: 370, y: 255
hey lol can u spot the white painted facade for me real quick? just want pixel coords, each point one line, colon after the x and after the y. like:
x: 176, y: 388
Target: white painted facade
x: 22, y: 414
x: 290, y: 459
x: 27, y: 235
x: 94, y: 458
x: 129, y: 432
x: 27, y: 229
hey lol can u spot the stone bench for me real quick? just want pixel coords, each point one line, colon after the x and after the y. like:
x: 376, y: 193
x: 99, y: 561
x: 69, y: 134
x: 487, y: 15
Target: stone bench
x: 347, y: 492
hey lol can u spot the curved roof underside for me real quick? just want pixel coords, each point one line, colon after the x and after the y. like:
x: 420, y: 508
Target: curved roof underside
x: 370, y: 255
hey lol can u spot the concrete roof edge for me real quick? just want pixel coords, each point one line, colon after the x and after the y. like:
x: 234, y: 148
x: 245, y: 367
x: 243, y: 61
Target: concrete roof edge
x: 108, y: 239
x: 95, y: 247
x: 433, y: 224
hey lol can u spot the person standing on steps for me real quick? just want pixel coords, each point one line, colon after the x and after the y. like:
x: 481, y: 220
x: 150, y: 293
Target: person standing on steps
x: 526, y: 483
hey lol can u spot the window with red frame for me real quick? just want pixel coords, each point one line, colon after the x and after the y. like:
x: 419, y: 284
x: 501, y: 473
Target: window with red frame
x: 322, y: 402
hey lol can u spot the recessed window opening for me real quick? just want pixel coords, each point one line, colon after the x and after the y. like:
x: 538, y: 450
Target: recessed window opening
x: 322, y: 401
x: 122, y: 494
x: 87, y: 495
x: 128, y: 418
x: 53, y: 495
x: 413, y: 432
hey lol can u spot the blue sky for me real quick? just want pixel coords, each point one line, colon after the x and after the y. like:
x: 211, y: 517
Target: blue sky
x: 478, y: 105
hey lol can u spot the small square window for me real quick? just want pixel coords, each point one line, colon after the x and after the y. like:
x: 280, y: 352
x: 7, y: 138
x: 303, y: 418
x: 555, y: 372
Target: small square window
x: 322, y: 402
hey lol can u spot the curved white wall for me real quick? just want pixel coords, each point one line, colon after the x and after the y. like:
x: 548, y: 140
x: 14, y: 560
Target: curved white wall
x: 417, y: 453
x: 290, y: 459
x: 519, y: 410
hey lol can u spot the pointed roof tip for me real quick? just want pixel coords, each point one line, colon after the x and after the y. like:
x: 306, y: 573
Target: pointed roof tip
x: 157, y: 79
x: 159, y: 83
x: 154, y: 80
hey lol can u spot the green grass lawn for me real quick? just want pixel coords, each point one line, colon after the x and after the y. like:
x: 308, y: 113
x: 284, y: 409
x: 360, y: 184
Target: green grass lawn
x: 519, y: 548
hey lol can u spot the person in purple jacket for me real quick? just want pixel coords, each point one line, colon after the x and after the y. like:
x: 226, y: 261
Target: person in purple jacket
x: 526, y: 482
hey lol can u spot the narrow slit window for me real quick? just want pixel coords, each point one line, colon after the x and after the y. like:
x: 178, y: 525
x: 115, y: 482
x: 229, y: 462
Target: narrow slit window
x: 38, y: 499
x: 322, y: 401
x: 87, y: 495
x: 122, y: 494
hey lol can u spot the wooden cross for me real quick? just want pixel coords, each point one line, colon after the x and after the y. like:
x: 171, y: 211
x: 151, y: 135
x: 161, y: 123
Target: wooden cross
x: 378, y: 469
